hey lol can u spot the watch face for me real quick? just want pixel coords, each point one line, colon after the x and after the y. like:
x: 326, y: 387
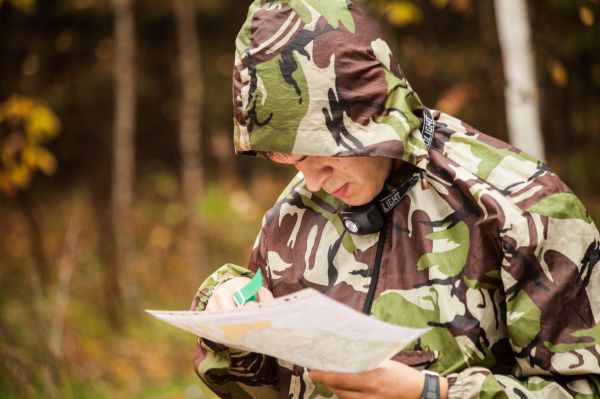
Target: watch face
x: 351, y: 226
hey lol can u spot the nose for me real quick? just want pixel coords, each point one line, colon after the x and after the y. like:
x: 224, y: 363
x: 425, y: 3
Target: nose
x: 315, y: 173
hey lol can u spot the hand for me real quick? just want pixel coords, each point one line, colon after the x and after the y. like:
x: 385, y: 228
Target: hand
x: 391, y: 380
x: 222, y: 296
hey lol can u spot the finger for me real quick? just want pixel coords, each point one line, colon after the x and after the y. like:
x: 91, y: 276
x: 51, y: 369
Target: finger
x: 234, y: 284
x: 214, y: 303
x: 264, y: 295
x: 210, y: 305
x: 222, y: 299
x: 227, y: 302
x: 222, y: 296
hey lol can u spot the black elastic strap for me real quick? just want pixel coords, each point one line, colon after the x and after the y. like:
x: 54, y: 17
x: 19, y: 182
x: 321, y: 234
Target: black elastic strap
x: 391, y: 199
x: 375, y: 274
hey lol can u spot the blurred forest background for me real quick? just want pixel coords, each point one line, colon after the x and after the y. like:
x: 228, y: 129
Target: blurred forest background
x: 119, y: 189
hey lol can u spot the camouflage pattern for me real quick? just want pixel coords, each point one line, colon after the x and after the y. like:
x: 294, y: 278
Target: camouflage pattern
x: 490, y: 249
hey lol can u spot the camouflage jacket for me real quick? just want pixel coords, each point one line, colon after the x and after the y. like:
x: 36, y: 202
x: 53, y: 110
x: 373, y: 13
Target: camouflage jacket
x: 490, y: 248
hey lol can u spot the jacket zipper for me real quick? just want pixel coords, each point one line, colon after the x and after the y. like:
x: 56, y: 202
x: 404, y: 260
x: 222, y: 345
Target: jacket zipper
x: 375, y: 275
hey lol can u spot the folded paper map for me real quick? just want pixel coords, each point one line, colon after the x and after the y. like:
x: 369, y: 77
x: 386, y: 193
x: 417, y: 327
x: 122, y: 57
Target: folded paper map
x: 305, y: 328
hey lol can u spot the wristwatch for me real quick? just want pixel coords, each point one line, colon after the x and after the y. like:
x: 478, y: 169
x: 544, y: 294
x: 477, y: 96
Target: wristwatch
x: 431, y: 389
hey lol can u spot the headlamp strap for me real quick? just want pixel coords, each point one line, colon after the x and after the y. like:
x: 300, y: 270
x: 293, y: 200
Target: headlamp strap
x: 390, y: 199
x: 393, y: 197
x: 428, y: 127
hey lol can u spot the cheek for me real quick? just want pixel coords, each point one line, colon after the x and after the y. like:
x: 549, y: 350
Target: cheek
x: 366, y: 189
x: 373, y: 182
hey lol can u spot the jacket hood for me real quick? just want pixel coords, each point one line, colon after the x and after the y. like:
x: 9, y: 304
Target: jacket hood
x: 315, y: 78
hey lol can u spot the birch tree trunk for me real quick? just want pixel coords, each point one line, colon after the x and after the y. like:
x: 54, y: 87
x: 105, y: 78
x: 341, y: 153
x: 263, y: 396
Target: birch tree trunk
x: 521, y: 92
x: 123, y: 150
x: 190, y: 118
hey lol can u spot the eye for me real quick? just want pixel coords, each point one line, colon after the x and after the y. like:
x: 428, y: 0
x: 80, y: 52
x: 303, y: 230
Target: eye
x: 300, y: 159
x: 283, y: 158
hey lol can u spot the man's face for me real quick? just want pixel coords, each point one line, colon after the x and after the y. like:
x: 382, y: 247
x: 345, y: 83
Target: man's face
x: 354, y: 180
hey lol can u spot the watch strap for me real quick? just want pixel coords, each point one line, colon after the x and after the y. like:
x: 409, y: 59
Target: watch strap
x: 431, y: 388
x: 248, y: 293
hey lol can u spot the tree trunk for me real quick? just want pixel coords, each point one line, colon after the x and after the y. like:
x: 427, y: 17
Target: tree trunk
x: 521, y: 92
x: 123, y: 151
x: 190, y: 119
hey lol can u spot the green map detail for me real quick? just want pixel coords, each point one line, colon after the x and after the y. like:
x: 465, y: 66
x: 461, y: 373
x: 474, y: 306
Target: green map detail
x: 524, y: 320
x: 343, y: 345
x: 278, y: 97
x: 561, y: 206
x: 450, y: 262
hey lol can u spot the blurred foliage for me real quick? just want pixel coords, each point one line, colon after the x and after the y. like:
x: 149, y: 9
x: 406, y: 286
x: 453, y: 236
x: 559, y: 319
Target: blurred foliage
x: 399, y: 13
x: 24, y: 5
x: 25, y: 125
x: 62, y: 52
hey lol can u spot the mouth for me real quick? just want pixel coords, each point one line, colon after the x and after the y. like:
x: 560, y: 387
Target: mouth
x: 341, y: 191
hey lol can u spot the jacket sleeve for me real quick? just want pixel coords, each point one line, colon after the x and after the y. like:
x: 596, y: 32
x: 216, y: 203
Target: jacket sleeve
x: 551, y: 280
x: 229, y: 372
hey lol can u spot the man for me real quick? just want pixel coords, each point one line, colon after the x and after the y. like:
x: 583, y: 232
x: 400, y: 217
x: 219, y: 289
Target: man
x: 406, y: 214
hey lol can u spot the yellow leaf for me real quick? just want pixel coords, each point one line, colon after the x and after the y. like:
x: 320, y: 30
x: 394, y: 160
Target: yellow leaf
x: 20, y: 176
x: 20, y: 151
x: 18, y: 107
x: 558, y: 73
x: 28, y: 155
x: 403, y: 13
x: 38, y: 158
x: 41, y: 123
x: 45, y: 161
x: 586, y: 15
